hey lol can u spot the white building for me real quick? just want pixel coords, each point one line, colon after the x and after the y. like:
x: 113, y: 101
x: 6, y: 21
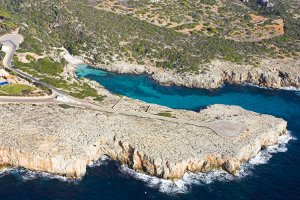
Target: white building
x: 3, y: 73
x: 5, y: 49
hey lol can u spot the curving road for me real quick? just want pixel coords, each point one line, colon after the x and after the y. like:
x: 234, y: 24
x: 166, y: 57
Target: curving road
x: 11, y: 43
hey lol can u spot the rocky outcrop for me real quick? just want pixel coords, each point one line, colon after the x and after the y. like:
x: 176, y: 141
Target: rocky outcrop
x: 272, y: 74
x: 63, y: 141
x: 70, y: 167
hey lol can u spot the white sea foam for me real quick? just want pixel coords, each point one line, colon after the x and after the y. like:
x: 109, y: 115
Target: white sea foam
x: 5, y: 171
x: 257, y: 86
x: 297, y: 90
x: 102, y: 161
x: 264, y: 156
x: 207, y: 178
x: 166, y: 186
x: 189, y: 179
x: 171, y: 187
x: 27, y: 175
x: 290, y: 88
x: 182, y: 185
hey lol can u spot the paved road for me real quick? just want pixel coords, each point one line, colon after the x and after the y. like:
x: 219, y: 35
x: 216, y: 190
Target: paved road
x: 12, y: 41
x: 43, y: 99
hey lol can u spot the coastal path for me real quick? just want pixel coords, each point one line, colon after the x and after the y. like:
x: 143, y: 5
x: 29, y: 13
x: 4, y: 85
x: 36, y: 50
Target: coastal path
x: 11, y: 42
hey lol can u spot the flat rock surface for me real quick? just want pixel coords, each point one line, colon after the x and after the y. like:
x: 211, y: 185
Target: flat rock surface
x: 56, y: 134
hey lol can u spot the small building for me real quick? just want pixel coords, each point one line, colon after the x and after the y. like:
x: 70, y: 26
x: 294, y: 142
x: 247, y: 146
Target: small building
x: 5, y: 49
x: 3, y: 73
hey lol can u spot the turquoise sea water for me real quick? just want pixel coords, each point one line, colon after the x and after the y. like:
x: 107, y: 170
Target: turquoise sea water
x: 276, y: 177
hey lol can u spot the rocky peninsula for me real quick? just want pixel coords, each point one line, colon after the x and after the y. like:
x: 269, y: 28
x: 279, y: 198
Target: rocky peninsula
x: 64, y: 140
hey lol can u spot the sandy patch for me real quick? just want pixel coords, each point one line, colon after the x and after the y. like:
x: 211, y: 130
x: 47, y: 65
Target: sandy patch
x: 188, y: 30
x: 257, y: 18
x: 71, y: 59
x: 23, y: 59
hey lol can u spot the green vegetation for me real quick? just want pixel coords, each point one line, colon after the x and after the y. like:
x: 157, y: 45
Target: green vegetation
x: 4, y: 14
x: 30, y: 58
x: 42, y: 66
x: 49, y: 72
x: 6, y: 24
x: 247, y: 17
x: 87, y: 91
x: 100, y: 33
x: 65, y: 106
x: 209, y: 2
x: 165, y: 114
x: 31, y: 44
x: 2, y: 54
x: 9, y: 25
x: 107, y: 37
x: 16, y: 90
x: 285, y: 9
x: 186, y: 26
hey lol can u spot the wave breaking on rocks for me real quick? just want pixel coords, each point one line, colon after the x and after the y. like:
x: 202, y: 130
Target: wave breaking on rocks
x: 63, y: 141
x: 184, y: 184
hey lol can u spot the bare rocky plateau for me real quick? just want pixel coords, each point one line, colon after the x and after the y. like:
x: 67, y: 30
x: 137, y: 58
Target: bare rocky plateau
x: 64, y: 141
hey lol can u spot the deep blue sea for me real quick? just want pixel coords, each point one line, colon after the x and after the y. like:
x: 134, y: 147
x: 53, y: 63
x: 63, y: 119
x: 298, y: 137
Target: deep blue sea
x: 273, y: 174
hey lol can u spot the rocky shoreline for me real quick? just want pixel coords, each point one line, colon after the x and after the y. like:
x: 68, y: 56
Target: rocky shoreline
x: 274, y: 74
x: 64, y: 141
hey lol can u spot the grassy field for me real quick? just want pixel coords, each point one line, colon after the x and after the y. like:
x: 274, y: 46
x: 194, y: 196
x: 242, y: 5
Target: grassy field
x: 16, y: 89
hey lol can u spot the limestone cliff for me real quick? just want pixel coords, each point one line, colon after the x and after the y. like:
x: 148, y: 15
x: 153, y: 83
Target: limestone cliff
x: 63, y: 141
x: 271, y: 74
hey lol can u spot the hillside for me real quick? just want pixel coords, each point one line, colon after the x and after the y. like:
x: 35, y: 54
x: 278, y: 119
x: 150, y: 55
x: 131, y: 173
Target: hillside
x: 185, y: 36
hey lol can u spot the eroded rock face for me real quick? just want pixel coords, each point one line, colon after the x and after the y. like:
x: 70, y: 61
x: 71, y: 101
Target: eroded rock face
x: 271, y: 74
x: 63, y: 141
x: 220, y: 73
